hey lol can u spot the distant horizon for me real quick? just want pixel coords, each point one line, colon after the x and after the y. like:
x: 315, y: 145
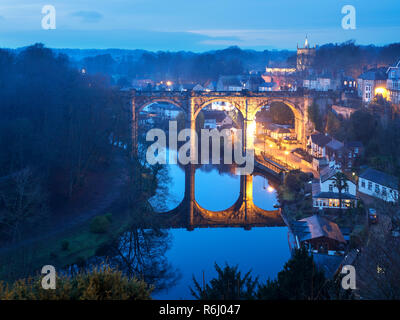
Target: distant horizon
x: 192, y: 51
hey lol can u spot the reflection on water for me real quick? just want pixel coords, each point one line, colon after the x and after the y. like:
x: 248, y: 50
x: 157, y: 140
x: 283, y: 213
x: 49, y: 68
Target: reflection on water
x: 264, y: 195
x: 215, y: 190
x: 171, y: 188
x: 263, y: 250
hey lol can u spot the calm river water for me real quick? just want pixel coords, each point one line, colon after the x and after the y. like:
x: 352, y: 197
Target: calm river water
x: 263, y: 250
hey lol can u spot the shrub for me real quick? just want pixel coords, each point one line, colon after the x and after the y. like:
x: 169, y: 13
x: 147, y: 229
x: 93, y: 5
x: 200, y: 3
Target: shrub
x: 102, y: 283
x: 100, y: 224
x: 65, y: 245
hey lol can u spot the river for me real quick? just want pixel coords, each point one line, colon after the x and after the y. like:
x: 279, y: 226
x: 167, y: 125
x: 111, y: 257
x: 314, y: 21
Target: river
x: 264, y: 250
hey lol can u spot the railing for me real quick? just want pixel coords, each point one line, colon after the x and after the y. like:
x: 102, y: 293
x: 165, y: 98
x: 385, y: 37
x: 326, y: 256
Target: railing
x: 285, y: 166
x: 243, y: 93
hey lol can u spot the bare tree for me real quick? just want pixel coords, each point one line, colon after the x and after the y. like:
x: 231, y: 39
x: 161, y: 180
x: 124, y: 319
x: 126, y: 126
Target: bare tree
x: 22, y: 201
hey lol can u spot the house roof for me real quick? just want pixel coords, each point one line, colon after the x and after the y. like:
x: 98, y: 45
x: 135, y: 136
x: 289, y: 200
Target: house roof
x: 231, y: 81
x: 394, y: 66
x: 320, y: 139
x: 329, y: 173
x: 315, y: 227
x: 335, y: 145
x: 348, y: 78
x: 374, y: 74
x: 198, y: 87
x: 380, y: 178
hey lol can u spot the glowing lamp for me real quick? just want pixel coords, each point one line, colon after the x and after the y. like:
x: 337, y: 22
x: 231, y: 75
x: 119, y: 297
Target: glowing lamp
x: 381, y: 91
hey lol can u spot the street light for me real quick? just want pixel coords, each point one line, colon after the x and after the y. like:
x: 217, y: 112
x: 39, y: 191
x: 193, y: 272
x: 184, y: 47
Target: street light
x: 286, y: 154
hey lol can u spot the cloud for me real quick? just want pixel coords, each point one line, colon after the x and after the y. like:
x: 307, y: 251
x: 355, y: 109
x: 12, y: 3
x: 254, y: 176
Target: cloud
x: 88, y: 16
x: 288, y: 38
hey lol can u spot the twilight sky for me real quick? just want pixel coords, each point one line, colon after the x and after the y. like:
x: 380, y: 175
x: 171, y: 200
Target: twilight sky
x: 196, y: 25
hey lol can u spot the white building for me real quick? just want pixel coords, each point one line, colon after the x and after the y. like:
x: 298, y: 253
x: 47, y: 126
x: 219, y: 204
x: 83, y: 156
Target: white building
x: 326, y: 195
x: 371, y: 83
x: 379, y: 185
x: 321, y: 83
x: 393, y: 83
x: 317, y: 143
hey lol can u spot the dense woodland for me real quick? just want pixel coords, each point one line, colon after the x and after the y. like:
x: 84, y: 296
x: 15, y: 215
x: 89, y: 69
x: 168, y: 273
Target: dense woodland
x: 55, y: 129
x: 353, y: 59
x: 347, y: 57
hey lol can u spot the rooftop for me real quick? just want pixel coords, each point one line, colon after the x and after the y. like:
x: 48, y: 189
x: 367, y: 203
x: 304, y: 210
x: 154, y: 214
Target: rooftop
x: 380, y: 178
x: 335, y: 145
x: 315, y: 227
x: 327, y: 174
x: 320, y: 139
x: 374, y: 74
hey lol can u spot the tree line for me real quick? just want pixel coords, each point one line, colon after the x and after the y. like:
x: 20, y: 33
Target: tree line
x: 183, y: 66
x: 55, y: 130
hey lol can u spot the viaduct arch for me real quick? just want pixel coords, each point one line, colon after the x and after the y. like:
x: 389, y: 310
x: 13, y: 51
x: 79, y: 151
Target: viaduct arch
x: 247, y: 102
x: 243, y: 213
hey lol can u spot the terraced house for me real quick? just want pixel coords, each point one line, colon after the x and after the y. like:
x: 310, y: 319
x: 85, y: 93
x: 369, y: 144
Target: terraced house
x: 379, y: 185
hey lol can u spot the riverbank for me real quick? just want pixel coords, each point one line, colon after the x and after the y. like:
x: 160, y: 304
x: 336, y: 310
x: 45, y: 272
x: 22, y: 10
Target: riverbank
x: 68, y: 239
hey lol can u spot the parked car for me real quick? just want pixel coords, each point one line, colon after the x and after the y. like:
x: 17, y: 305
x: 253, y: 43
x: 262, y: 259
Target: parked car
x: 372, y: 216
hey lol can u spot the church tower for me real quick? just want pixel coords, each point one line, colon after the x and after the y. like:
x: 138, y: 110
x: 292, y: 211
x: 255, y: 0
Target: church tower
x: 305, y: 56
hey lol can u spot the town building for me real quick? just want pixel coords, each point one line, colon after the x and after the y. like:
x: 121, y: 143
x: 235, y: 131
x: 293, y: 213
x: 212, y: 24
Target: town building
x: 316, y: 144
x: 305, y: 57
x: 379, y: 185
x: 372, y: 83
x: 268, y: 86
x: 319, y: 235
x: 321, y: 83
x: 393, y: 84
x: 278, y: 131
x: 335, y: 151
x: 349, y: 84
x: 353, y: 152
x: 326, y: 196
x: 281, y: 133
x: 250, y: 82
x: 198, y: 87
x: 186, y: 86
x: 229, y: 83
x: 142, y: 84
x: 216, y: 119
